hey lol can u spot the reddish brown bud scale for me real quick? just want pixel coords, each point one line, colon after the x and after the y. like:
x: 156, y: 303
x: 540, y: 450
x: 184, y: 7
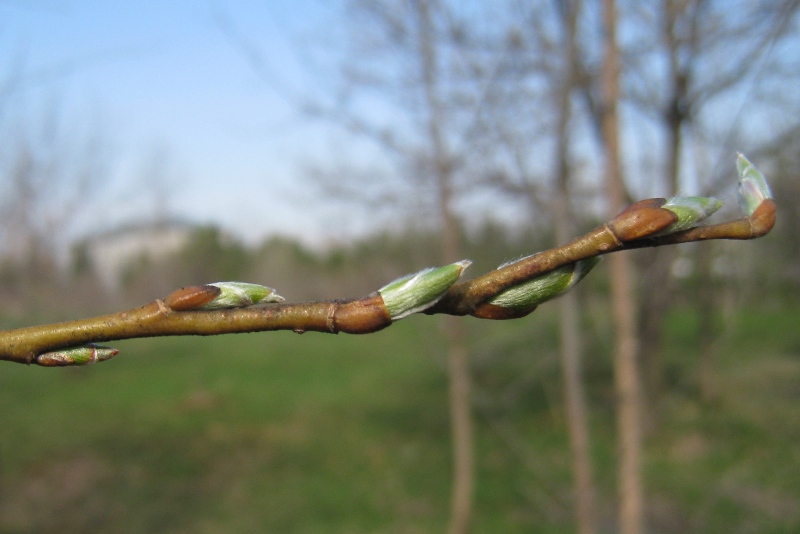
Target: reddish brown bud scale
x: 646, y: 203
x: 46, y: 360
x: 499, y: 313
x: 642, y: 219
x: 763, y: 218
x: 362, y: 316
x: 191, y: 297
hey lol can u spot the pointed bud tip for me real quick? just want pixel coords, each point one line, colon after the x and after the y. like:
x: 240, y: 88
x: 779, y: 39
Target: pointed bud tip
x: 753, y: 187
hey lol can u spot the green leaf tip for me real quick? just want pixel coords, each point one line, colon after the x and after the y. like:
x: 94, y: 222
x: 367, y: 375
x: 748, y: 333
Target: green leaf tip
x: 241, y: 295
x: 418, y: 291
x: 753, y: 187
x: 548, y: 286
x: 690, y: 211
x: 82, y: 355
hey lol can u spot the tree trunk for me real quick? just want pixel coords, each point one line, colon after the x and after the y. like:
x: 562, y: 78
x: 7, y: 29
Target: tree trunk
x: 457, y: 359
x: 707, y: 334
x: 656, y: 300
x: 571, y: 355
x: 461, y: 421
x: 626, y: 375
x: 571, y: 338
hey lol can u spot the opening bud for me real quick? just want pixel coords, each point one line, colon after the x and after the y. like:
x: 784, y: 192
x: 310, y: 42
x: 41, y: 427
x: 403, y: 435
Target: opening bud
x: 535, y: 291
x: 690, y: 211
x: 82, y: 355
x: 753, y: 187
x: 416, y: 292
x: 240, y: 295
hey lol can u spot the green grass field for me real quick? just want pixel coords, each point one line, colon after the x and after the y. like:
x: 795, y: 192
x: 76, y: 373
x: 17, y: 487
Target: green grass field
x: 283, y: 433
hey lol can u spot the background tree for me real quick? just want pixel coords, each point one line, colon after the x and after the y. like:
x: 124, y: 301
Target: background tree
x: 443, y: 169
x: 621, y: 277
x: 571, y: 338
x: 49, y: 166
x: 529, y: 68
x: 691, y: 36
x: 406, y: 56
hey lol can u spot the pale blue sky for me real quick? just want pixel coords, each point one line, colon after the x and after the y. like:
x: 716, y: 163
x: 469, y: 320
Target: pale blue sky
x: 162, y: 76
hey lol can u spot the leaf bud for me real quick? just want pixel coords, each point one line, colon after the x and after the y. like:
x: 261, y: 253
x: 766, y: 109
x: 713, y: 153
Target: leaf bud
x: 240, y: 295
x: 418, y: 291
x: 82, y: 355
x: 690, y: 211
x: 531, y: 293
x: 753, y: 187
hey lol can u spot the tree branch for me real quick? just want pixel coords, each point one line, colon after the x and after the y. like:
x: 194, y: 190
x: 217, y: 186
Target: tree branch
x: 644, y: 224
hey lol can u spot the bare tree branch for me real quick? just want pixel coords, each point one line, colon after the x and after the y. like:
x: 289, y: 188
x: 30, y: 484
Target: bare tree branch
x: 636, y: 227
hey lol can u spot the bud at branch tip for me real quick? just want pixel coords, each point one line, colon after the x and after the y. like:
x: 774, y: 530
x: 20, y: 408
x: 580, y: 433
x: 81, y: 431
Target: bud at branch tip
x: 753, y: 187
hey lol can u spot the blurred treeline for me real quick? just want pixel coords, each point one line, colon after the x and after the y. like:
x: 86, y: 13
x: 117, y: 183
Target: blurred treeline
x: 40, y: 286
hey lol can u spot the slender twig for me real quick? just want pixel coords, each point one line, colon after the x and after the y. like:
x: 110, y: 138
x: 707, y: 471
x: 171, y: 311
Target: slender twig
x: 181, y: 313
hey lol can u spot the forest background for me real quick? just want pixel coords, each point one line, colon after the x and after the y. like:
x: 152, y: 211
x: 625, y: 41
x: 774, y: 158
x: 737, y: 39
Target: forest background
x: 443, y: 129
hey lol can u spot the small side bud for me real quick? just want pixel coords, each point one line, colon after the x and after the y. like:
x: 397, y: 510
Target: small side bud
x: 690, y: 211
x: 535, y: 291
x: 83, y: 355
x: 240, y: 295
x: 416, y: 292
x: 753, y: 187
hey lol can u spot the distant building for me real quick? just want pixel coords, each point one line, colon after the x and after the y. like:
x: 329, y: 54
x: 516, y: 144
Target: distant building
x: 111, y: 253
